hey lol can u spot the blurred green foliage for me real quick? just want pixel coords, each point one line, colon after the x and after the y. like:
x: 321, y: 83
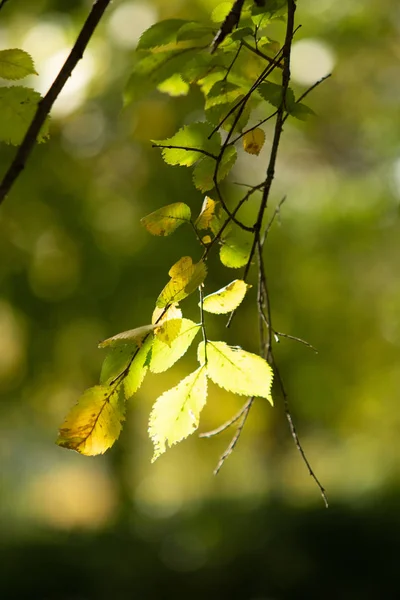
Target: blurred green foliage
x: 76, y: 267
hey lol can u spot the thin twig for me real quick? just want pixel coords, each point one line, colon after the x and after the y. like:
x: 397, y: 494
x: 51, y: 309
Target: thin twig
x: 271, y: 61
x: 271, y: 222
x: 236, y: 437
x: 47, y: 102
x: 295, y: 339
x: 226, y: 425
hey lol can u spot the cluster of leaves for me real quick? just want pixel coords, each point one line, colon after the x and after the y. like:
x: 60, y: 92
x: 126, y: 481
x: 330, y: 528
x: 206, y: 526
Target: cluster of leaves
x: 173, y: 55
x: 18, y: 103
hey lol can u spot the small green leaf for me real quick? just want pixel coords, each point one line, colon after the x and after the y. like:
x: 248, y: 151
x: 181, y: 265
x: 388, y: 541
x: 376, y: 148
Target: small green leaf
x: 301, y: 111
x: 194, y: 138
x: 221, y: 11
x: 163, y: 356
x: 18, y: 106
x: 167, y: 219
x: 16, y: 64
x: 235, y: 251
x: 227, y: 298
x: 236, y: 370
x: 203, y: 173
x: 138, y: 369
x: 222, y: 92
x: 160, y: 34
x: 174, y: 86
x: 185, y: 278
x: 272, y: 93
x: 176, y: 413
x: 193, y: 31
x: 94, y: 424
x: 116, y: 362
x: 241, y: 33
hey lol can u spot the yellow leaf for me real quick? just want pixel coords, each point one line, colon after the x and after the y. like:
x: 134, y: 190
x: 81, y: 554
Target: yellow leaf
x: 132, y: 336
x: 253, y: 141
x: 236, y: 370
x: 94, y: 424
x: 169, y: 330
x: 165, y: 220
x: 227, y: 298
x: 138, y: 369
x: 164, y: 356
x: 185, y: 278
x: 206, y: 239
x: 176, y: 413
x: 210, y: 216
x: 162, y: 314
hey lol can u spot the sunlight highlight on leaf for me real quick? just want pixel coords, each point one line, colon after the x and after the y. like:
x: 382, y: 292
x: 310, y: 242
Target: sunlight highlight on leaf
x: 163, y: 355
x: 194, y: 137
x: 176, y: 413
x: 135, y: 336
x: 94, y: 424
x: 166, y: 220
x: 236, y: 370
x: 138, y: 369
x: 16, y: 64
x: 227, y: 298
x: 185, y: 278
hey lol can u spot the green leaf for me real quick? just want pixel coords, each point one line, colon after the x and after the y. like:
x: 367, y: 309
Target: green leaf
x: 235, y: 251
x: 16, y: 64
x: 163, y: 356
x: 222, y: 92
x: 174, y: 86
x: 185, y: 279
x: 193, y: 31
x: 134, y: 336
x: 301, y: 111
x: 203, y: 174
x: 236, y: 370
x: 241, y: 33
x: 138, y: 369
x: 262, y: 14
x: 17, y: 108
x: 160, y: 34
x: 195, y: 138
x: 272, y: 93
x: 221, y: 11
x: 167, y: 219
x: 153, y: 69
x: 227, y: 298
x: 176, y: 413
x: 116, y: 362
x: 94, y: 424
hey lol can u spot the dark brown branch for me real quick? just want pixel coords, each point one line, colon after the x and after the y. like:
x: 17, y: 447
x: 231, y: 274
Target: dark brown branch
x: 187, y: 148
x: 45, y: 105
x: 231, y: 21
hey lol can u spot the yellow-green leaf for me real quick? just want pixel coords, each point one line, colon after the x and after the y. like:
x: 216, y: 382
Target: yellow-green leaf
x: 163, y: 314
x: 227, y: 298
x: 236, y: 370
x: 174, y: 86
x: 18, y: 107
x: 94, y: 424
x: 207, y: 213
x: 235, y: 252
x: 167, y: 219
x: 221, y: 11
x: 176, y: 413
x: 138, y: 369
x: 132, y: 336
x: 16, y: 64
x: 163, y: 356
x: 169, y: 330
x: 116, y: 361
x: 253, y: 141
x: 185, y: 278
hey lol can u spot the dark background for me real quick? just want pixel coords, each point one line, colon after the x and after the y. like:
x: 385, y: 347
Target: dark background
x: 76, y: 267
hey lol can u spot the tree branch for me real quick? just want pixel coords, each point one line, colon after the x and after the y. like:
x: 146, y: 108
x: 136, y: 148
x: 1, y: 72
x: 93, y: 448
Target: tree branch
x: 45, y: 105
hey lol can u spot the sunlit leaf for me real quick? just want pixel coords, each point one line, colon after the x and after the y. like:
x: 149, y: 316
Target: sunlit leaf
x: 236, y: 370
x: 193, y: 31
x: 135, y: 336
x: 186, y: 276
x: 253, y: 141
x: 160, y: 34
x: 207, y: 214
x: 166, y: 220
x: 93, y: 425
x: 163, y: 314
x: 176, y: 413
x: 16, y: 64
x: 174, y: 86
x: 235, y: 251
x: 163, y: 356
x: 168, y: 331
x: 138, y: 368
x: 222, y: 92
x: 116, y: 361
x: 18, y: 106
x: 190, y: 140
x: 221, y: 11
x: 227, y: 298
x: 203, y: 173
